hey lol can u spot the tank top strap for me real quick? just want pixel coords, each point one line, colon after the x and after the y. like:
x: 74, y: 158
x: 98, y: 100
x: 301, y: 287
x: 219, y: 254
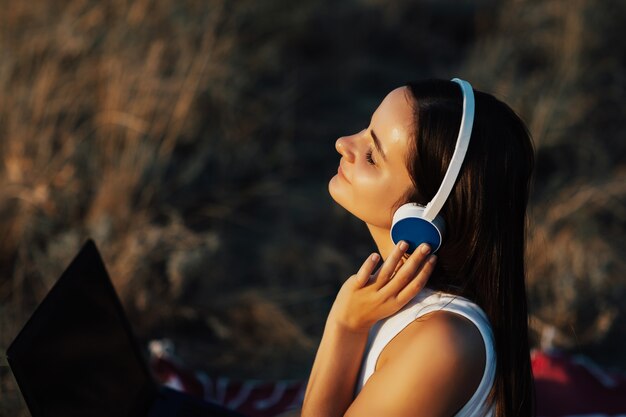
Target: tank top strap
x: 428, y: 301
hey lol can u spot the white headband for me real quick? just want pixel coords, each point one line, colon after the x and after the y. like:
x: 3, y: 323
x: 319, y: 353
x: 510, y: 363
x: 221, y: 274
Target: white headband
x: 462, y: 142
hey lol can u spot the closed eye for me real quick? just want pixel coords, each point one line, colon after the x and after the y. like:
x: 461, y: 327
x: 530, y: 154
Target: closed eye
x: 368, y: 156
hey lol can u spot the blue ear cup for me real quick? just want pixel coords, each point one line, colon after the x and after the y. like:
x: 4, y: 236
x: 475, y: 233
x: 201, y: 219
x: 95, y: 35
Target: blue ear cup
x: 409, y: 225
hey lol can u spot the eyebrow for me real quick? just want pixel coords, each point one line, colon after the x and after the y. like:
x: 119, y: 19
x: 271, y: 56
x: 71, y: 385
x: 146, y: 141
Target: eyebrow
x: 377, y: 144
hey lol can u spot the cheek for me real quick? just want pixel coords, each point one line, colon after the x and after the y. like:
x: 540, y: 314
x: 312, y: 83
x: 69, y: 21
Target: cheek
x: 383, y: 197
x: 374, y: 197
x: 370, y: 196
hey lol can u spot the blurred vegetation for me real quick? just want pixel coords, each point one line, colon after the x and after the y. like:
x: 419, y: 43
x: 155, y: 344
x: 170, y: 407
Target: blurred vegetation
x: 193, y: 140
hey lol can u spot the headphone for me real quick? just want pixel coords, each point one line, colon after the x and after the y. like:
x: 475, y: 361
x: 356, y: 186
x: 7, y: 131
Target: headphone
x: 417, y: 224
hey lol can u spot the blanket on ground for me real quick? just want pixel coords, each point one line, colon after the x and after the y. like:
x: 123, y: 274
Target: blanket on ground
x: 566, y: 385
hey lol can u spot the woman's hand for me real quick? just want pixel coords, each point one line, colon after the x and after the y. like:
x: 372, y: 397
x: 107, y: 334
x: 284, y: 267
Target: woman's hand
x: 363, y: 299
x: 368, y: 297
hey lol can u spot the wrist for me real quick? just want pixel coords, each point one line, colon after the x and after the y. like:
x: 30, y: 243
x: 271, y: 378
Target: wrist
x: 346, y: 327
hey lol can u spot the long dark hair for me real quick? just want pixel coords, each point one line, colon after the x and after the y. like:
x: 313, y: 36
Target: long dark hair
x: 482, y: 255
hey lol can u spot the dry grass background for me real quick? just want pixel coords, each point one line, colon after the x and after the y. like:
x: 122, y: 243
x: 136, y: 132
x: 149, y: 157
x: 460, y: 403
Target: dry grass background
x: 193, y: 141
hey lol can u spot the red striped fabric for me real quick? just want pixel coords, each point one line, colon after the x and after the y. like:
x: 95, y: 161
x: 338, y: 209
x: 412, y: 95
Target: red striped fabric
x: 566, y: 386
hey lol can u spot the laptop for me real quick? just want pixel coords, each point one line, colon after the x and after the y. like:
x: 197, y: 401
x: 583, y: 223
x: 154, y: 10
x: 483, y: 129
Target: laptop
x: 77, y: 355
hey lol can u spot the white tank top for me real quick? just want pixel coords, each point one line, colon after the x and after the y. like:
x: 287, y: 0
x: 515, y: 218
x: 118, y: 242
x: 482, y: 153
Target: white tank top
x: 425, y: 302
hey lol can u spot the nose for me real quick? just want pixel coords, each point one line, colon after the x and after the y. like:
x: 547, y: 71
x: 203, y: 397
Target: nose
x: 343, y: 145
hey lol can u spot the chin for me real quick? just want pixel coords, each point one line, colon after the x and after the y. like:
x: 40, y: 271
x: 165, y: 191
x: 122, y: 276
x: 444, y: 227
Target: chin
x: 337, y: 197
x: 331, y: 187
x: 335, y: 191
x: 338, y: 194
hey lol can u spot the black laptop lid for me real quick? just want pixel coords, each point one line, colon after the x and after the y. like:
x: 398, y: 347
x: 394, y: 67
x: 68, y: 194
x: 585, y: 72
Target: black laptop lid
x: 76, y: 355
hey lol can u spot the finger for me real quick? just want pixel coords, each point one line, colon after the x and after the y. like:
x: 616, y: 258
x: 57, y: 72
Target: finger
x: 408, y: 271
x: 418, y: 282
x: 365, y: 272
x: 386, y: 271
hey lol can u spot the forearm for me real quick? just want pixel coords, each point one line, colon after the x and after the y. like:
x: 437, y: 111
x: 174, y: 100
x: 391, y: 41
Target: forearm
x: 333, y: 376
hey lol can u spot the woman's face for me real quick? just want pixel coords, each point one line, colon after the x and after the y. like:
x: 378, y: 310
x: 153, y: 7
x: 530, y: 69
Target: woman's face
x: 372, y: 174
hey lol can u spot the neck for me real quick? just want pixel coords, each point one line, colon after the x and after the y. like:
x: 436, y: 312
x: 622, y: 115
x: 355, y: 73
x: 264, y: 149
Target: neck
x: 382, y: 239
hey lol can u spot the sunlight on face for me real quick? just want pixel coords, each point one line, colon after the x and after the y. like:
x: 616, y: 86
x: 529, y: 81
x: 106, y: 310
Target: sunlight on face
x: 372, y: 178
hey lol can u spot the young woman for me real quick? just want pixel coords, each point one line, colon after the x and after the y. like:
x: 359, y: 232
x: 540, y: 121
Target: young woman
x: 428, y: 334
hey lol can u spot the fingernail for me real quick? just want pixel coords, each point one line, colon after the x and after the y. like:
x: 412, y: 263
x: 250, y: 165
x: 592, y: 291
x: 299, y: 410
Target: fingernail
x: 424, y: 248
x: 432, y: 259
x: 403, y: 245
x: 374, y: 258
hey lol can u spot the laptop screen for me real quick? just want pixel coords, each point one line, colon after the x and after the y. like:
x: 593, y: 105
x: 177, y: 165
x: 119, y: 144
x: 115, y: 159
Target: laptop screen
x: 76, y: 356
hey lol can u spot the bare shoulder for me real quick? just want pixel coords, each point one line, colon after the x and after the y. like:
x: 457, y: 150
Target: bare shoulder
x: 444, y: 332
x: 433, y: 365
